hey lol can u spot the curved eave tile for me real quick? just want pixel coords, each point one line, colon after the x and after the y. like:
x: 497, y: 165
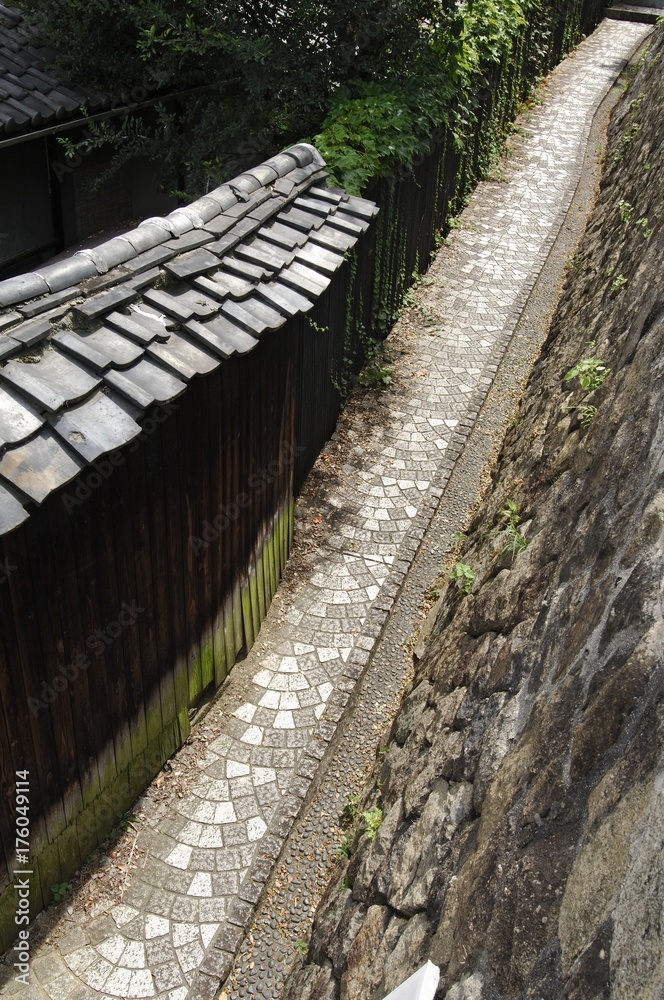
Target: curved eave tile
x: 18, y: 420
x: 12, y: 513
x: 95, y: 427
x: 146, y: 383
x: 39, y: 466
x: 52, y: 383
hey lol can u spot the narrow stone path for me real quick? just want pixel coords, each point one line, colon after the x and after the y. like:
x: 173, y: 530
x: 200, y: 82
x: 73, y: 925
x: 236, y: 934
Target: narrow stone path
x: 200, y: 857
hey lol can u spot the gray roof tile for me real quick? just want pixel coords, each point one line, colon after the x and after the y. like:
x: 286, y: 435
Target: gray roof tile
x: 244, y: 269
x: 30, y: 309
x: 206, y: 208
x: 8, y: 346
x: 109, y: 254
x: 24, y: 286
x: 189, y: 241
x: 224, y: 197
x: 144, y: 279
x: 262, y: 257
x: 332, y: 239
x: 12, y: 512
x: 190, y: 265
x: 302, y: 220
x: 116, y: 276
x: 107, y: 342
x: 333, y: 195
x: 267, y: 209
x: 346, y: 223
x: 315, y: 205
x: 169, y: 304
x: 95, y: 427
x: 77, y: 346
x: 31, y: 331
x: 142, y: 329
x: 303, y: 279
x: 180, y: 223
x: 284, y: 236
x: 268, y: 258
x: 52, y: 382
x: 306, y: 155
x: 303, y: 175
x: 220, y: 224
x: 65, y: 273
x: 282, y: 163
x: 9, y: 318
x: 226, y: 243
x: 18, y: 420
x: 254, y: 315
x: 221, y: 285
x: 97, y: 305
x: 152, y: 378
x: 245, y: 184
x: 222, y: 336
x: 150, y: 258
x: 40, y: 465
x: 202, y: 304
x: 284, y: 186
x: 183, y: 357
x: 320, y: 259
x: 358, y: 206
x: 285, y: 299
x: 264, y: 174
x: 147, y: 236
x: 273, y: 251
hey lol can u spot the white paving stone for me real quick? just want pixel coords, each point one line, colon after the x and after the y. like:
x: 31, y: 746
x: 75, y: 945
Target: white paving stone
x: 256, y: 828
x: 245, y: 712
x: 201, y: 885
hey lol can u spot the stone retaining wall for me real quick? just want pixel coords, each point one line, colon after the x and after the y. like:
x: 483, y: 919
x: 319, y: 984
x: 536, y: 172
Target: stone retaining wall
x: 521, y: 845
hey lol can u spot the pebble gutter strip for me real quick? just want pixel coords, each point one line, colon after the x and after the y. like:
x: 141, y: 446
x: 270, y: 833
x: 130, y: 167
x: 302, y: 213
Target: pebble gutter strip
x: 184, y: 915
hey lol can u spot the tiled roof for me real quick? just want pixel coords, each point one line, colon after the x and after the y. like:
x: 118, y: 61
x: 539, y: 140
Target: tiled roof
x: 31, y: 97
x: 90, y: 342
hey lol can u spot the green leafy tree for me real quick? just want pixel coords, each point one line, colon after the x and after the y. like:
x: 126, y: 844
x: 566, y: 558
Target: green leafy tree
x: 256, y: 75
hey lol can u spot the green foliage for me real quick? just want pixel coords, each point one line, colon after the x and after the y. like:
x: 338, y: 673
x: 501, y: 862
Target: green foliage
x: 343, y: 850
x: 591, y: 372
x: 587, y: 414
x: 59, y: 891
x: 371, y: 821
x: 646, y: 229
x: 369, y: 136
x: 463, y: 576
x: 509, y: 530
x: 301, y: 947
x: 626, y: 211
x: 376, y: 128
x: 351, y: 810
x: 626, y: 140
x: 372, y: 81
x: 618, y: 283
x: 376, y: 377
x: 129, y: 822
x: 256, y: 76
